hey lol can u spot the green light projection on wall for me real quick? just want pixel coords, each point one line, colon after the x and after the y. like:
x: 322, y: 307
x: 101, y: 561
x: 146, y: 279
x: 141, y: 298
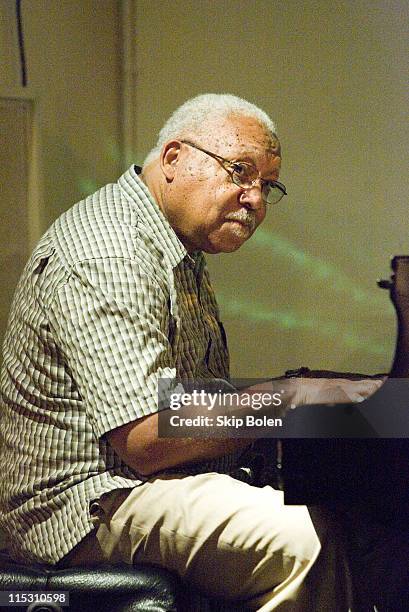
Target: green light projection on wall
x: 87, y: 186
x: 287, y: 319
x: 318, y: 270
x: 114, y: 152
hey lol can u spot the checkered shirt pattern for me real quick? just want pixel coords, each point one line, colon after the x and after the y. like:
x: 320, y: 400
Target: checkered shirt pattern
x: 109, y: 302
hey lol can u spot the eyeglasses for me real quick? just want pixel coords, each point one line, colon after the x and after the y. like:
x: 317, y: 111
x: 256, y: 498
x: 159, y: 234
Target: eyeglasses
x: 245, y: 175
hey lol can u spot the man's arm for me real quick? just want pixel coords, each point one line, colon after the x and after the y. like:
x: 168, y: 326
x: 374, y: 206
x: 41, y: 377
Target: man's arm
x: 138, y: 445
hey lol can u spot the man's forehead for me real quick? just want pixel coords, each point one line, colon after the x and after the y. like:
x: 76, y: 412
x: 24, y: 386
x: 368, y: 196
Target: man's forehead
x: 243, y: 136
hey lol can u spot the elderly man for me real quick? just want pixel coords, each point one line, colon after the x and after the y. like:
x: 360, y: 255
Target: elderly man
x: 116, y: 296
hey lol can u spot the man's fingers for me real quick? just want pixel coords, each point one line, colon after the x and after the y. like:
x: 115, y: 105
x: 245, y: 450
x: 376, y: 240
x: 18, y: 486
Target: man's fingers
x: 337, y: 390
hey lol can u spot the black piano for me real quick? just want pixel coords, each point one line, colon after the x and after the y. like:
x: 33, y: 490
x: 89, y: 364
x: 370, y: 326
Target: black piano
x: 361, y: 476
x: 357, y: 453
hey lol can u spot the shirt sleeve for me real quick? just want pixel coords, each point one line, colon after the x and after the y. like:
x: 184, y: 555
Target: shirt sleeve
x: 111, y: 321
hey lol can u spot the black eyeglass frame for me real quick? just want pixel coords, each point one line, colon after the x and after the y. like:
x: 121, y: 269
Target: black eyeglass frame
x: 228, y: 166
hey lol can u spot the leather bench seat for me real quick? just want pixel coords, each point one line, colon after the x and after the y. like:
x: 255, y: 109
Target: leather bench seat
x: 116, y: 588
x: 108, y: 588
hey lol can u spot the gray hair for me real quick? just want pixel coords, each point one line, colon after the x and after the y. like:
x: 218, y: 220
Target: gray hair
x: 193, y: 115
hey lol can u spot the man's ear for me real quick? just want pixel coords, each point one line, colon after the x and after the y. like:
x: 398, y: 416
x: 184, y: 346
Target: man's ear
x: 169, y: 158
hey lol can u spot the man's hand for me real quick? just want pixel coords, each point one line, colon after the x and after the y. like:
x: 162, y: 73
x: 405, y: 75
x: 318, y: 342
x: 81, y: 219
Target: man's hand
x: 332, y: 391
x: 300, y: 391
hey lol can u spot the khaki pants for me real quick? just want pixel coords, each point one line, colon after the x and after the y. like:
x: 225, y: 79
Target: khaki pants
x: 228, y: 539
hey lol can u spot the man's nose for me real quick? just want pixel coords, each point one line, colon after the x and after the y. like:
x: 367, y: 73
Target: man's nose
x: 252, y: 197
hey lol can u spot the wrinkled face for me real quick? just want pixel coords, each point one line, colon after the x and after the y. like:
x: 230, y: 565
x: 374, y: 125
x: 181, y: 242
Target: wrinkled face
x: 205, y: 208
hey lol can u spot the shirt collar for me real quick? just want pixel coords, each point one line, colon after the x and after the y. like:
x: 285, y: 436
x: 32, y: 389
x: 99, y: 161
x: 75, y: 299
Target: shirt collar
x: 164, y: 235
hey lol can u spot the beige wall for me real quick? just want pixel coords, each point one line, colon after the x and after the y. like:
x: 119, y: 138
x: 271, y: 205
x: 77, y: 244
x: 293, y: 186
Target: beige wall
x: 73, y: 66
x: 332, y: 75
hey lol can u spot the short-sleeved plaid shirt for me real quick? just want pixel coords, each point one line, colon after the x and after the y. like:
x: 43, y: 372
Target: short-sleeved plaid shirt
x: 109, y: 301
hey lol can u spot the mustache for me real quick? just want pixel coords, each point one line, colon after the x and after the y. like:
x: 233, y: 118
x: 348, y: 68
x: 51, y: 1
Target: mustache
x: 244, y: 216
